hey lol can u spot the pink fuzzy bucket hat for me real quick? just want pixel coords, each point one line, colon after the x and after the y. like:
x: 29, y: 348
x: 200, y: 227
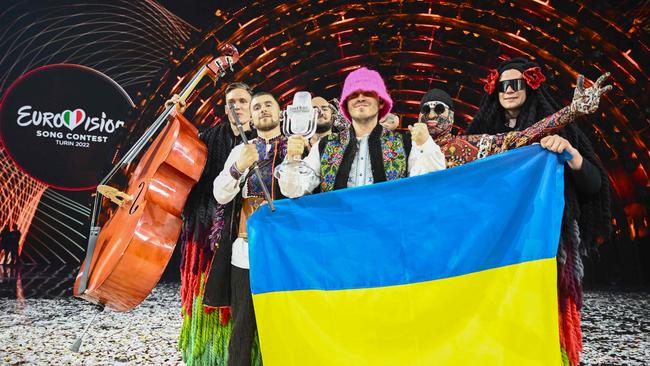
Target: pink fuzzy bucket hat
x: 365, y: 80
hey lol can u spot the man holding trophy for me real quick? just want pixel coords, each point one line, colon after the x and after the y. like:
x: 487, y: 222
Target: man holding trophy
x: 249, y: 164
x: 365, y: 153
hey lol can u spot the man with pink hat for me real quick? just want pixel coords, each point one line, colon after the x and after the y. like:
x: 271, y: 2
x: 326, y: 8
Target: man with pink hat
x: 366, y: 153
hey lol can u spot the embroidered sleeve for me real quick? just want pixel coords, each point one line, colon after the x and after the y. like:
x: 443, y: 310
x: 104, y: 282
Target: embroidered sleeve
x: 487, y: 145
x: 234, y: 172
x: 540, y: 129
x: 479, y: 146
x: 225, y: 186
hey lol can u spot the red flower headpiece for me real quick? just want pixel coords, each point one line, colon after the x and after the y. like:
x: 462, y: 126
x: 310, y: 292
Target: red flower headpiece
x: 534, y: 77
x: 491, y: 81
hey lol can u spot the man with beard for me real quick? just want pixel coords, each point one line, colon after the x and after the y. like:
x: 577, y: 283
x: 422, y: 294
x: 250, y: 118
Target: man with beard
x: 203, y: 220
x: 366, y: 153
x: 228, y: 281
x: 325, y: 123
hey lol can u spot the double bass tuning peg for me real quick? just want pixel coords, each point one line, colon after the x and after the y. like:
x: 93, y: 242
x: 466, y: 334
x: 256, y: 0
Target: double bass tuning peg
x: 219, y: 65
x: 230, y: 63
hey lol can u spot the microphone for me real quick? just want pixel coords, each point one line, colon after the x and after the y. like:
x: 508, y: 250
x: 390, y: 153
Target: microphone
x: 300, y: 118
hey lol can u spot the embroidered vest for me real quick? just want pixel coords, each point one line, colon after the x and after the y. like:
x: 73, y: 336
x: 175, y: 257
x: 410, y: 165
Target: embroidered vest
x: 267, y: 163
x: 394, y: 155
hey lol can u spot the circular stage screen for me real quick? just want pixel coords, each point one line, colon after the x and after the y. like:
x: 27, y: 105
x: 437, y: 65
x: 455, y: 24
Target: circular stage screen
x: 61, y: 123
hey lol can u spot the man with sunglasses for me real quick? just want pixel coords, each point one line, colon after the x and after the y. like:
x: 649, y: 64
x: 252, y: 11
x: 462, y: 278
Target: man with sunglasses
x: 436, y: 111
x: 512, y: 96
x: 516, y: 97
x: 365, y: 153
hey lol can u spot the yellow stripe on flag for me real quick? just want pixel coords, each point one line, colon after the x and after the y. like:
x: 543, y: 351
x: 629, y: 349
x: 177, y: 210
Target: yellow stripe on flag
x: 501, y: 316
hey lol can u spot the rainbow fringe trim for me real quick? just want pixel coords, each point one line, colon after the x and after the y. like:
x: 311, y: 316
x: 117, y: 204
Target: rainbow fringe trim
x: 205, y: 335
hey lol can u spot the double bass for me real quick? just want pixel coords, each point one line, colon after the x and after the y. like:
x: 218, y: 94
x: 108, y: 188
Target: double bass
x: 127, y: 256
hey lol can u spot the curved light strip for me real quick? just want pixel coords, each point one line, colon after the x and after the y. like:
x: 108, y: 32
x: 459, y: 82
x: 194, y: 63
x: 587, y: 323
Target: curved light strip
x: 94, y: 35
x: 252, y: 22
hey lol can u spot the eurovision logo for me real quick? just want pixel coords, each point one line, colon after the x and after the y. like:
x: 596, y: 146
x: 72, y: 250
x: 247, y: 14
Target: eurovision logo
x: 69, y: 119
x: 61, y: 124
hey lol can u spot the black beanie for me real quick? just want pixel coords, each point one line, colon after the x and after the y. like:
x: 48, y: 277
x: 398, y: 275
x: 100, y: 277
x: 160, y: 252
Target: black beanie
x: 437, y: 95
x: 517, y: 63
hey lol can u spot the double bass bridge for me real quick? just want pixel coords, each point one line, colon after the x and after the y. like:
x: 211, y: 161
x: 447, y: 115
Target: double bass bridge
x: 116, y: 196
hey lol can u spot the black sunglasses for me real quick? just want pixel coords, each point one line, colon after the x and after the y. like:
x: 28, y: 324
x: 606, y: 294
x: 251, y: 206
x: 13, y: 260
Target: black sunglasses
x: 438, y: 108
x: 515, y: 84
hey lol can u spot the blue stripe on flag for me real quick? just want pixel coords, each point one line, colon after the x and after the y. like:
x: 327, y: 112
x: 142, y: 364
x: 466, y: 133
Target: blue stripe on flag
x: 502, y: 210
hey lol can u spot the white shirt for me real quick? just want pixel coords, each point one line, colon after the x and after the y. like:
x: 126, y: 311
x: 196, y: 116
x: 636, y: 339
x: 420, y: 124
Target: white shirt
x: 225, y: 188
x: 425, y: 158
x: 361, y: 170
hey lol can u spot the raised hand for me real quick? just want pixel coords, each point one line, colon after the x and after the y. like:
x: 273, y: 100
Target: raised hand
x: 295, y: 147
x: 419, y: 133
x: 247, y: 158
x: 586, y: 101
x: 559, y: 144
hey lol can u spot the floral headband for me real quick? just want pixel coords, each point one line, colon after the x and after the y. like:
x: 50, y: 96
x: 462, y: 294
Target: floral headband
x: 533, y: 77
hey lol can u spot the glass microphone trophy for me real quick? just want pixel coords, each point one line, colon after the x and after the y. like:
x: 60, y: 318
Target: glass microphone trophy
x: 298, y: 119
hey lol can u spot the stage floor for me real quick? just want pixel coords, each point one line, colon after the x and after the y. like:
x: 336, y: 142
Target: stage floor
x: 39, y: 331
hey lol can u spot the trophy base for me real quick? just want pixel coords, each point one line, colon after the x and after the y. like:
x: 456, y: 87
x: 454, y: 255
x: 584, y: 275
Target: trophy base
x: 296, y: 168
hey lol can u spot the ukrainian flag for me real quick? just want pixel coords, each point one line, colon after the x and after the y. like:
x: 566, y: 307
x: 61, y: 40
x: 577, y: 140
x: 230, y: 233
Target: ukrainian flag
x: 451, y: 268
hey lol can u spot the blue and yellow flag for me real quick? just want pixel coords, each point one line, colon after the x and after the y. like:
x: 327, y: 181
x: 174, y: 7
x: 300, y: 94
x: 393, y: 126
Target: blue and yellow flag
x: 451, y: 268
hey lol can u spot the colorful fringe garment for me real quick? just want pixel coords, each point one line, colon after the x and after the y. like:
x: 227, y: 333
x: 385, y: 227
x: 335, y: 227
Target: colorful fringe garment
x: 205, y: 332
x: 570, y: 274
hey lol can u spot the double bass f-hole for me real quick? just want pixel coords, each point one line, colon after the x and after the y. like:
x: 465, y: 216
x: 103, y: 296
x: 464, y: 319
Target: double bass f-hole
x: 134, y: 207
